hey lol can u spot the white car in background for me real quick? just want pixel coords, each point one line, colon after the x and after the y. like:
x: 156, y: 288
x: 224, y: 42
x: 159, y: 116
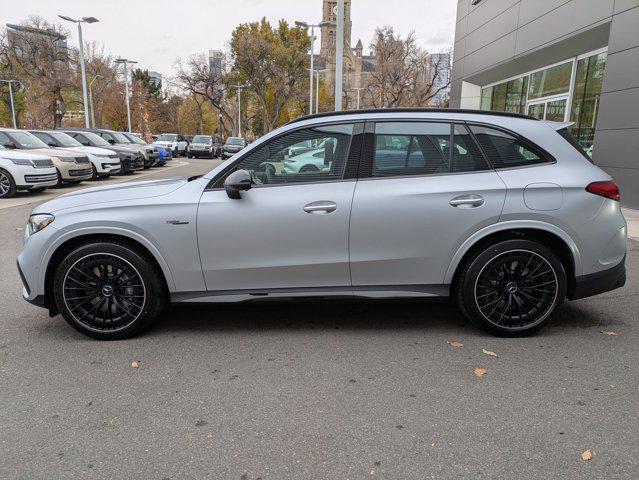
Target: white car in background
x: 177, y: 143
x: 25, y: 171
x: 307, y: 162
x: 104, y: 162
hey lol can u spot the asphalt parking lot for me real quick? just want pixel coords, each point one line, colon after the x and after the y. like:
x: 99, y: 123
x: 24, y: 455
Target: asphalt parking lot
x: 342, y: 390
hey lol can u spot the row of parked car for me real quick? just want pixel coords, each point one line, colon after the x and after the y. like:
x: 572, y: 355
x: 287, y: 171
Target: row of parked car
x: 34, y: 160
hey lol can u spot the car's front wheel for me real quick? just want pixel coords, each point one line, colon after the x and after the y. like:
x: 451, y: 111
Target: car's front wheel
x: 511, y: 288
x: 7, y: 184
x: 108, y: 290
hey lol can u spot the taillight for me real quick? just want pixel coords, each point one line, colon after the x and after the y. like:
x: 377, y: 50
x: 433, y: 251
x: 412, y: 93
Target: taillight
x: 605, y: 189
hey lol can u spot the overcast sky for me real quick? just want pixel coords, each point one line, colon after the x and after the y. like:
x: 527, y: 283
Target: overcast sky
x: 157, y: 32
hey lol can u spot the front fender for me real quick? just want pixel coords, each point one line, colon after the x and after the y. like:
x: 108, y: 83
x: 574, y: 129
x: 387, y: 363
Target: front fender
x: 512, y: 225
x: 76, y: 232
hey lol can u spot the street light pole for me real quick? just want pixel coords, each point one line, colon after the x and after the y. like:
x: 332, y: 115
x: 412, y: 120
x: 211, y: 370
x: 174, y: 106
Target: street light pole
x: 13, y: 107
x: 82, y: 68
x: 359, y: 96
x: 91, y: 99
x: 339, y: 56
x: 126, y: 61
x: 239, y: 109
x: 312, y: 69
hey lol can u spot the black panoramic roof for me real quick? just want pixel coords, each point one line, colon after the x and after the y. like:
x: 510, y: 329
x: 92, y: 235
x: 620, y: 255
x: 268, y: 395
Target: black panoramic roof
x: 410, y: 110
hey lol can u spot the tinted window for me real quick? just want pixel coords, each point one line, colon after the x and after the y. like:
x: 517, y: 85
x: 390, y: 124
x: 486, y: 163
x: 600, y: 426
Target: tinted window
x: 310, y: 155
x: 403, y: 148
x: 46, y: 138
x: 504, y: 150
x: 466, y: 156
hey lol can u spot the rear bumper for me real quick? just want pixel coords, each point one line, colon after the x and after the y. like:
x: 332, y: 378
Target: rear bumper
x: 600, y: 282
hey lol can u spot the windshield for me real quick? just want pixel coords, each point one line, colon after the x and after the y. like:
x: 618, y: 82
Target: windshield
x: 65, y: 140
x: 119, y: 138
x: 235, y: 141
x: 135, y: 139
x: 167, y: 137
x: 202, y: 139
x: 95, y: 139
x: 27, y: 140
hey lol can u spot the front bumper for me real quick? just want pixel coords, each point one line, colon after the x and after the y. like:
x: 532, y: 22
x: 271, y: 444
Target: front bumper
x: 600, y: 282
x: 133, y: 165
x: 27, y: 177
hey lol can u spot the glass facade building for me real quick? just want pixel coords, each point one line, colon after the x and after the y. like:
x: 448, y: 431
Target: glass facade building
x: 567, y: 91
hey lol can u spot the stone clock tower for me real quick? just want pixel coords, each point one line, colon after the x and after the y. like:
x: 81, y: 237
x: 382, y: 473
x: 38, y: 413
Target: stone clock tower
x: 329, y: 32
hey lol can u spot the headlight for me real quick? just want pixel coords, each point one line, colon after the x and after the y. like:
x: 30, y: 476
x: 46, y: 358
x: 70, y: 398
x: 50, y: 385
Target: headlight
x: 66, y: 159
x: 22, y: 161
x: 39, y: 221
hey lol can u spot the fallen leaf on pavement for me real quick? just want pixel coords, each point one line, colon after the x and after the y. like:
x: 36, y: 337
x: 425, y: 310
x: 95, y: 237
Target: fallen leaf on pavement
x: 479, y: 372
x: 610, y: 334
x: 587, y: 455
x: 209, y: 435
x: 455, y: 344
x: 489, y: 353
x: 134, y: 364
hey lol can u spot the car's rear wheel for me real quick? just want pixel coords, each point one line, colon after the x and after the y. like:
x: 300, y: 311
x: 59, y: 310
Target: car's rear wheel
x: 108, y: 290
x: 7, y: 184
x: 511, y: 288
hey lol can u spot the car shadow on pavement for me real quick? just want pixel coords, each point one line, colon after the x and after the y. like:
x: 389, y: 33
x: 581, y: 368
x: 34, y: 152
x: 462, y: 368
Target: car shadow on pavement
x: 424, y: 315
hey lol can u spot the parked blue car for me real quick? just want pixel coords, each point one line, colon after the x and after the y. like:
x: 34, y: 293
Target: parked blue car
x: 165, y: 153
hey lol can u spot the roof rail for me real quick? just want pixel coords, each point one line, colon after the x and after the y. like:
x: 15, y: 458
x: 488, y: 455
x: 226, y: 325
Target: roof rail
x: 410, y: 110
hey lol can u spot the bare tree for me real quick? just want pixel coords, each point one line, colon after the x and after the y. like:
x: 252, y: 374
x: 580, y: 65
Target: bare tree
x: 36, y: 53
x: 405, y: 74
x: 195, y: 77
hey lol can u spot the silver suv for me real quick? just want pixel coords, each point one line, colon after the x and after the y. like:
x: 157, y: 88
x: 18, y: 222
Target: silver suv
x: 501, y: 212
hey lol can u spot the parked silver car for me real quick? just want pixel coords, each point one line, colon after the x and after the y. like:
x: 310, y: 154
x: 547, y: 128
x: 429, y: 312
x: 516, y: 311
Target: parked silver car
x: 502, y: 212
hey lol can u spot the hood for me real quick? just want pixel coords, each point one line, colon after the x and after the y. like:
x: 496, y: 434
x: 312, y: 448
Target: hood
x: 117, y: 149
x: 21, y: 155
x: 166, y: 143
x: 54, y: 152
x: 90, y: 150
x: 90, y: 197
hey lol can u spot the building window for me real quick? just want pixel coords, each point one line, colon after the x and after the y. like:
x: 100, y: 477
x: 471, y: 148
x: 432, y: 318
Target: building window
x: 551, y: 81
x: 585, y: 101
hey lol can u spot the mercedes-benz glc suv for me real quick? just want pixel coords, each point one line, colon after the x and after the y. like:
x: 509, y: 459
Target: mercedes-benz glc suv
x: 503, y: 213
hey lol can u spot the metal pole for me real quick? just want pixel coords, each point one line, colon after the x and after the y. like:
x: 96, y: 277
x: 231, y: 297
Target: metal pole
x: 312, y: 65
x: 339, y: 56
x: 359, y: 96
x: 84, y: 78
x: 91, y: 100
x: 13, y: 107
x: 317, y: 92
x: 126, y: 94
x: 239, y: 111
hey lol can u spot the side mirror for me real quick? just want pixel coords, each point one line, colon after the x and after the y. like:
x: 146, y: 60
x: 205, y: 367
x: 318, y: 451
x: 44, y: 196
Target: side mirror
x: 111, y: 141
x: 9, y: 145
x: 237, y: 182
x: 52, y: 144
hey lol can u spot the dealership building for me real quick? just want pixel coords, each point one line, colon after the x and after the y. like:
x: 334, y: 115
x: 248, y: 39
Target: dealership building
x: 561, y: 60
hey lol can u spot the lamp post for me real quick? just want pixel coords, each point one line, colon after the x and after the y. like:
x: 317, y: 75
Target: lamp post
x: 13, y: 107
x: 359, y: 95
x: 125, y: 62
x: 84, y: 75
x: 317, y: 90
x: 239, y: 108
x: 91, y: 99
x: 339, y: 56
x: 312, y: 27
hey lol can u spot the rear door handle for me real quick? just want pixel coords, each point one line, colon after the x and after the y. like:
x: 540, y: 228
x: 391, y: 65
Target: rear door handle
x: 322, y: 207
x: 468, y: 201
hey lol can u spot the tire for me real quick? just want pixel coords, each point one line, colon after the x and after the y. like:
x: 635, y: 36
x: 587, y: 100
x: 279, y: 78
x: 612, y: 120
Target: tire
x: 60, y: 182
x: 94, y: 176
x: 7, y: 184
x: 108, y: 290
x: 309, y: 169
x: 500, y: 296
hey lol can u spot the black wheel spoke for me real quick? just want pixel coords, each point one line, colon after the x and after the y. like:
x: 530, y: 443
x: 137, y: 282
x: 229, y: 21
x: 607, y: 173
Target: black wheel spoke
x: 516, y: 289
x: 104, y: 292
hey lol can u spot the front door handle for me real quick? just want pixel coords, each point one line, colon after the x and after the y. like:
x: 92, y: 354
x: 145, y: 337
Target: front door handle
x: 323, y: 207
x: 468, y: 201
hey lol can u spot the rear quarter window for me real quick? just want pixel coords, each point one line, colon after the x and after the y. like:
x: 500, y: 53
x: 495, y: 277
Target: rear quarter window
x: 504, y: 150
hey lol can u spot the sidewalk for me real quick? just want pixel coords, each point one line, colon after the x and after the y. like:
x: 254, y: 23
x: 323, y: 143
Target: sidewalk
x: 632, y: 217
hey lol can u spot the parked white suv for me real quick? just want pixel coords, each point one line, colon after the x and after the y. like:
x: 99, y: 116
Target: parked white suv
x: 177, y: 143
x: 25, y: 171
x: 104, y: 163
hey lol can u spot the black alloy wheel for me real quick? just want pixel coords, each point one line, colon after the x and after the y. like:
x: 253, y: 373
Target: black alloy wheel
x: 512, y: 288
x: 108, y: 290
